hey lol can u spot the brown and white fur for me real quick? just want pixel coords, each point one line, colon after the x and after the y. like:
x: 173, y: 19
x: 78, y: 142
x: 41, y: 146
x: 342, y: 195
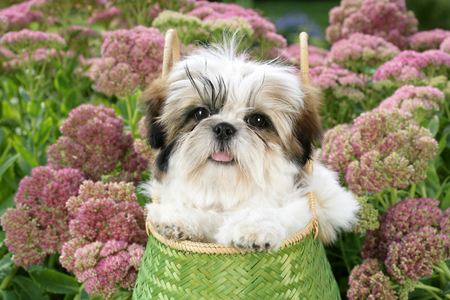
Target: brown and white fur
x: 234, y: 136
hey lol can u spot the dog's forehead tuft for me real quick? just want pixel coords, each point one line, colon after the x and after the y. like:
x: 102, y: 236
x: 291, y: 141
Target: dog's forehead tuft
x: 243, y: 78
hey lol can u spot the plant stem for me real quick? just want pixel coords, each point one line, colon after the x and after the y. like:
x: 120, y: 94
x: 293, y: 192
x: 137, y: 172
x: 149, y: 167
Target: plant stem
x: 429, y: 289
x: 344, y: 256
x: 52, y: 260
x: 424, y: 191
x: 393, y: 196
x: 381, y: 199
x: 8, y: 278
x: 445, y: 269
x: 413, y: 190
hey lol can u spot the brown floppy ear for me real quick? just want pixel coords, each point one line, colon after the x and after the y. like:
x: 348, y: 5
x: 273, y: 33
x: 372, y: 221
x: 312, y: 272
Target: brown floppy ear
x: 308, y: 128
x: 153, y: 99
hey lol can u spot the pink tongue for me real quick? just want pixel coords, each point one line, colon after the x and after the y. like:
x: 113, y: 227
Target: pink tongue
x: 221, y: 156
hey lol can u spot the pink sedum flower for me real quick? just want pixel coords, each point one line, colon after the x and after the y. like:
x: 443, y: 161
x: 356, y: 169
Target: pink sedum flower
x: 367, y: 281
x: 445, y: 45
x: 108, y: 237
x: 362, y: 50
x: 29, y: 40
x: 384, y: 18
x: 410, y: 65
x: 130, y: 58
x: 383, y: 149
x: 104, y: 16
x: 410, y: 98
x: 94, y: 141
x: 333, y: 76
x: 263, y: 30
x: 39, y: 224
x: 413, y: 236
x: 425, y: 40
x: 20, y: 15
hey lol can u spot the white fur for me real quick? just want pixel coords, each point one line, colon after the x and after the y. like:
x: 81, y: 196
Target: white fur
x: 256, y: 203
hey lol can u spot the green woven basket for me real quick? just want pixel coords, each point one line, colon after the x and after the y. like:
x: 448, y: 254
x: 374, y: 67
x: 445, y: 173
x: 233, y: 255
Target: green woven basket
x: 189, y: 270
x: 298, y: 271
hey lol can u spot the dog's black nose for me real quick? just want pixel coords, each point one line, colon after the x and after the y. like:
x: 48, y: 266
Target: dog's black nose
x: 224, y: 131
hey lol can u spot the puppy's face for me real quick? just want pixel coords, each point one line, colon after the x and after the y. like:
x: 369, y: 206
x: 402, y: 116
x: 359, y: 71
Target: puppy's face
x: 218, y: 114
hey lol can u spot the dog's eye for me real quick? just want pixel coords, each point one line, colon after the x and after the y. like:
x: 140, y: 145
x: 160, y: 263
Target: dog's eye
x: 201, y: 114
x: 257, y: 121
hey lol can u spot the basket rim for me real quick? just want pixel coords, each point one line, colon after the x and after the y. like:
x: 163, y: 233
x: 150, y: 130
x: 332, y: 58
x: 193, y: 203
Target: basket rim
x: 212, y: 248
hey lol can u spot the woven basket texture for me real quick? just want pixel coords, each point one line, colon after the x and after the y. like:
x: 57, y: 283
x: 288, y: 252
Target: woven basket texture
x: 297, y: 271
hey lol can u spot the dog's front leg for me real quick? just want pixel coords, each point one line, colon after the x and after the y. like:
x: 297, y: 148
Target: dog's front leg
x: 181, y: 223
x: 263, y: 229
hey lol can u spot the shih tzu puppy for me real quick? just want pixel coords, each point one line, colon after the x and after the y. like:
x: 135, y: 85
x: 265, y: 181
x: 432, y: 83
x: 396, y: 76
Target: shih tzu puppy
x: 233, y: 137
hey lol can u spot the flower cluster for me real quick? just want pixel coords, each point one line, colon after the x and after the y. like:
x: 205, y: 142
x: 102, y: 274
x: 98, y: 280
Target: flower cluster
x: 29, y: 40
x: 344, y: 83
x: 413, y: 236
x: 384, y: 148
x: 445, y: 45
x: 20, y: 15
x: 264, y: 31
x: 93, y: 140
x: 360, y: 50
x: 130, y: 58
x: 39, y: 224
x: 367, y: 281
x: 425, y: 40
x: 316, y: 56
x: 104, y: 16
x: 411, y: 98
x: 384, y: 18
x: 367, y: 216
x: 413, y: 66
x: 108, y: 237
x: 189, y: 28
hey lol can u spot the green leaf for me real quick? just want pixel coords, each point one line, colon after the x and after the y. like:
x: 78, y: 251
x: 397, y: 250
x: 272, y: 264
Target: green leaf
x: 24, y: 166
x: 9, y: 202
x: 24, y: 94
x: 2, y: 238
x: 61, y: 82
x: 24, y: 153
x: 6, y: 265
x: 73, y: 64
x: 122, y: 106
x: 44, y: 132
x: 5, y: 166
x: 70, y: 101
x: 34, y: 108
x: 432, y: 177
x: 55, y: 282
x: 8, y: 295
x: 26, y: 289
x: 123, y: 296
x: 2, y: 133
x: 434, y: 126
x: 445, y: 203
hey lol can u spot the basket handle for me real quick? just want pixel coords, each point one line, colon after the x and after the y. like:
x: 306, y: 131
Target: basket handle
x: 171, y: 49
x: 304, y: 74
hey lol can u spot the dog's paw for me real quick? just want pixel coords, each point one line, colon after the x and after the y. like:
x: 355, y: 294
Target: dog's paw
x: 253, y: 233
x: 177, y: 232
x: 170, y: 223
